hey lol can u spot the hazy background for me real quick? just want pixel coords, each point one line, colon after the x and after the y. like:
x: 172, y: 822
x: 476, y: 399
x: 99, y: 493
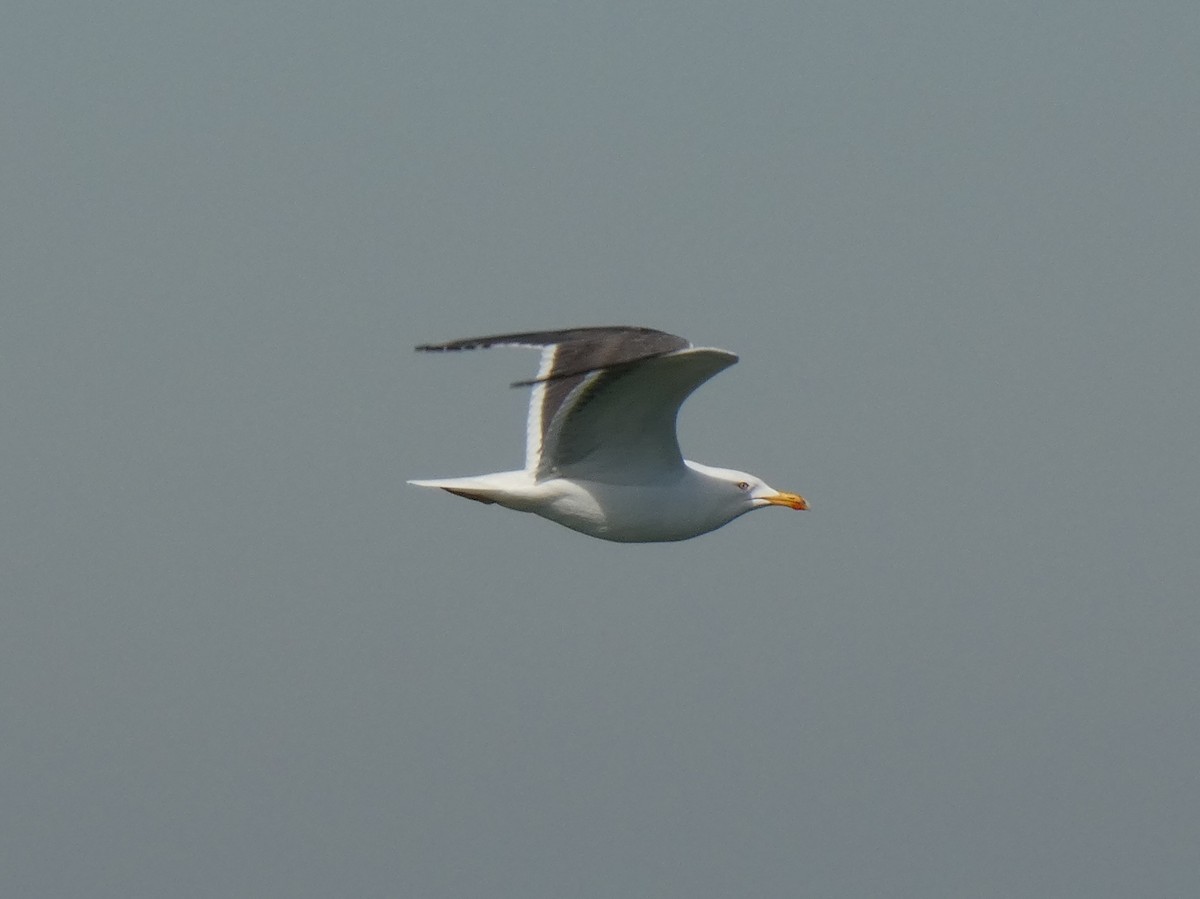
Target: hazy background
x: 957, y: 248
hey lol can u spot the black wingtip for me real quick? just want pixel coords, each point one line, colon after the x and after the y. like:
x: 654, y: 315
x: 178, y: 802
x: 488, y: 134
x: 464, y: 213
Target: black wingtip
x: 549, y: 338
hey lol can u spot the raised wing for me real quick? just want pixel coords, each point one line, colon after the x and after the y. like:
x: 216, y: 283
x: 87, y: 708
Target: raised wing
x: 618, y: 424
x: 569, y: 357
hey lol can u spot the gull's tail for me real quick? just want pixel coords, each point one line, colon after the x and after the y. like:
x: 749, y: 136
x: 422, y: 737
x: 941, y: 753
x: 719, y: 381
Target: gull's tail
x: 484, y: 488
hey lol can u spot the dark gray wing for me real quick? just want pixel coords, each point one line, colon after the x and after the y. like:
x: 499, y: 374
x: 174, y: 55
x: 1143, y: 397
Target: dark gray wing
x: 569, y: 357
x: 581, y: 350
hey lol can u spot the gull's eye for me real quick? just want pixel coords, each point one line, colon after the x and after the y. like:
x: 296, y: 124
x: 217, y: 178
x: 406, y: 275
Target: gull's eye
x: 743, y: 485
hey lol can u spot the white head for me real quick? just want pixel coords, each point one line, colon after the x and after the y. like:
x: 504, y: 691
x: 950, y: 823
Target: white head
x: 737, y: 492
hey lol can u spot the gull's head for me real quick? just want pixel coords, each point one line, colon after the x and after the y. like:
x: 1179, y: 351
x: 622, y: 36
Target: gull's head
x: 742, y: 492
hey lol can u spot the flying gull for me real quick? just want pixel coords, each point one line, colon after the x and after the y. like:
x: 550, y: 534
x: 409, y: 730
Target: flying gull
x: 601, y: 453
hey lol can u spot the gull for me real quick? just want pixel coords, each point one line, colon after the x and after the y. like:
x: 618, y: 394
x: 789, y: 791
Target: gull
x: 602, y: 457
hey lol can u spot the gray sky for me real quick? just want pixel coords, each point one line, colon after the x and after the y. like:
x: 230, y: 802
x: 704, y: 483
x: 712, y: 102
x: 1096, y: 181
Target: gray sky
x: 956, y: 248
